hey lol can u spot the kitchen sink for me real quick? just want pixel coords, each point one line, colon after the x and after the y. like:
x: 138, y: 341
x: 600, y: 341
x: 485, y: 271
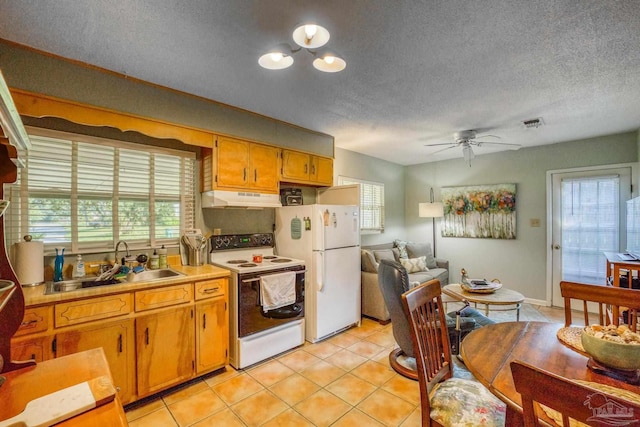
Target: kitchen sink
x: 90, y: 282
x: 152, y: 275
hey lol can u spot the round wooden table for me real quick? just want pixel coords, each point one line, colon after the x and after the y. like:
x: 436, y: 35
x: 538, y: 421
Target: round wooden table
x: 488, y: 351
x: 501, y: 297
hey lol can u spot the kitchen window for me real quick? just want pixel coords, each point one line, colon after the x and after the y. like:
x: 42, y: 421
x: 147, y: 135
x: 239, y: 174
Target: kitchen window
x: 85, y: 193
x: 371, y: 204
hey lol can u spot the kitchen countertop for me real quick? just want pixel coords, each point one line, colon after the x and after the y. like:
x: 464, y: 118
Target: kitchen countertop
x: 35, y: 296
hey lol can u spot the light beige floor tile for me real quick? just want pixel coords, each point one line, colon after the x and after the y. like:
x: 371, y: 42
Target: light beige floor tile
x: 289, y: 418
x: 322, y: 349
x: 294, y: 389
x: 196, y: 407
x: 225, y: 418
x: 159, y: 418
x: 259, y: 408
x: 228, y: 373
x: 138, y: 411
x: 365, y: 348
x: 383, y: 356
x: 322, y: 373
x: 346, y: 359
x: 298, y: 360
x: 351, y: 389
x: 386, y: 408
x: 343, y: 340
x: 361, y: 332
x: 237, y: 388
x: 270, y: 373
x: 381, y: 338
x: 404, y: 388
x: 414, y: 419
x: 356, y: 418
x: 322, y: 408
x: 184, y: 392
x: 374, y: 372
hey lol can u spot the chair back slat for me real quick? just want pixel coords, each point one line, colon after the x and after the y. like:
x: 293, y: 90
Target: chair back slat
x: 430, y: 339
x: 570, y: 399
x: 611, y: 302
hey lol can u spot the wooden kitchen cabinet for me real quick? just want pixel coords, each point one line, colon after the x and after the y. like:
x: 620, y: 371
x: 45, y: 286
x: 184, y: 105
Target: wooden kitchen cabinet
x: 244, y: 165
x: 304, y: 168
x: 164, y: 349
x: 28, y: 348
x: 211, y: 334
x: 117, y: 339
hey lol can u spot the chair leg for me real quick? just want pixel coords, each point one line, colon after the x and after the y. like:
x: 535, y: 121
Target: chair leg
x: 398, y: 367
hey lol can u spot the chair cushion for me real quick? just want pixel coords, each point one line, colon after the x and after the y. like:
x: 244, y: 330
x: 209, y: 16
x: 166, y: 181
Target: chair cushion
x: 458, y: 402
x: 379, y: 254
x: 414, y: 265
x: 368, y: 262
x: 415, y: 250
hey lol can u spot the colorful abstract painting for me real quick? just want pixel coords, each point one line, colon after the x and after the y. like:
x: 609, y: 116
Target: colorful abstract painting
x: 480, y: 211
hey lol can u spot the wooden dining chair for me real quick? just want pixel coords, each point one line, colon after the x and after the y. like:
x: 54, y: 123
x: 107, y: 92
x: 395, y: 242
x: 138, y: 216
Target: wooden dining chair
x: 566, y: 399
x: 610, y: 301
x: 445, y: 400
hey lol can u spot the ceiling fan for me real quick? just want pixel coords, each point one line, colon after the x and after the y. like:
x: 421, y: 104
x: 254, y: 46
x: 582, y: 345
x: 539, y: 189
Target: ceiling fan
x: 468, y: 138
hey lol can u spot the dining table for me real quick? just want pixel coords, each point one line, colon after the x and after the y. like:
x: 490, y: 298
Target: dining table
x: 488, y: 352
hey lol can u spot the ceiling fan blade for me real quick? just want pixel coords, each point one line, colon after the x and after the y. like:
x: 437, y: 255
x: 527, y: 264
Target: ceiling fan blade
x: 506, y: 144
x: 487, y: 136
x: 442, y: 149
x: 441, y: 143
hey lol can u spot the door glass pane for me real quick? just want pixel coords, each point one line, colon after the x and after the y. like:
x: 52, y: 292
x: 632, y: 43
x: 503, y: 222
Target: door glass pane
x: 590, y: 226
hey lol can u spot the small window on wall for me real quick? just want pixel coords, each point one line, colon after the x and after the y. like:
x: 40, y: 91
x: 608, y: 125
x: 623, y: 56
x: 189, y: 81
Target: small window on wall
x: 371, y: 204
x: 85, y: 193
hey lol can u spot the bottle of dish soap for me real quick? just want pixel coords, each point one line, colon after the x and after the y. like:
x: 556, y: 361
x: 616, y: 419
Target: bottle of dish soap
x: 155, y: 261
x: 162, y: 257
x: 78, y: 268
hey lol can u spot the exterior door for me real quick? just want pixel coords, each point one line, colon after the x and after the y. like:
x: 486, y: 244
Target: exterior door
x: 588, y: 216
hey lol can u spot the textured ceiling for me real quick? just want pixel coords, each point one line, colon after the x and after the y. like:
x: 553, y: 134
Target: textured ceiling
x: 417, y: 71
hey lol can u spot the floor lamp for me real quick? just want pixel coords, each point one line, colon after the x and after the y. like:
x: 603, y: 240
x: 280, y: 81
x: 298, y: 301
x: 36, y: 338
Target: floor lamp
x: 431, y: 210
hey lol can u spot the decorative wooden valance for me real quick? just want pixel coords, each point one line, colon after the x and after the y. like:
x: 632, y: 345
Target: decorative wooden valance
x: 38, y: 105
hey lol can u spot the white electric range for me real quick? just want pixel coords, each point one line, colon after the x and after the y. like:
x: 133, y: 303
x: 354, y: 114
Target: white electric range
x: 256, y: 334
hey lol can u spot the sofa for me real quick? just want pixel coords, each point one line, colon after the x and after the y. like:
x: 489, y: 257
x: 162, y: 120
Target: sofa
x: 418, y: 260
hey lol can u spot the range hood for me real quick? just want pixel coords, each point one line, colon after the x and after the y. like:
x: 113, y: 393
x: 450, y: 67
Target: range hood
x: 239, y: 199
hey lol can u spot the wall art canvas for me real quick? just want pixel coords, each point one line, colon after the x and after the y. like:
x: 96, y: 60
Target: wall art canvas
x: 480, y: 211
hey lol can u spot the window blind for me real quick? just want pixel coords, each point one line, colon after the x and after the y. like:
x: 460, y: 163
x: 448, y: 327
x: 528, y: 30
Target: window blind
x: 87, y: 193
x: 371, y: 204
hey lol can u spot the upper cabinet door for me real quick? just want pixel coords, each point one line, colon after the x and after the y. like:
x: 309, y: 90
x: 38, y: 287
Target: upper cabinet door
x: 263, y: 167
x: 232, y: 162
x: 295, y: 165
x: 322, y: 170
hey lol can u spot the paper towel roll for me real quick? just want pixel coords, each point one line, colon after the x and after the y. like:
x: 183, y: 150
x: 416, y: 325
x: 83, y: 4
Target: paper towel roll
x: 29, y: 262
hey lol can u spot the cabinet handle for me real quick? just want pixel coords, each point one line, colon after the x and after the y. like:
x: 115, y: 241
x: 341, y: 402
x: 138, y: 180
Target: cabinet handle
x: 120, y: 343
x: 211, y: 290
x: 204, y: 321
x: 306, y: 168
x: 28, y: 323
x: 255, y: 175
x: 146, y: 335
x: 244, y: 174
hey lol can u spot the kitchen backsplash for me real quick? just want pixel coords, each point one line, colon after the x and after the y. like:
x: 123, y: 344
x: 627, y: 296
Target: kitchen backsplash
x: 239, y: 221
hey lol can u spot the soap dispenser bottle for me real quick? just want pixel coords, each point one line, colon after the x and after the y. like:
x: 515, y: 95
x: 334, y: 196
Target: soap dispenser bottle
x: 162, y: 257
x: 155, y: 261
x: 58, y: 263
x: 78, y: 268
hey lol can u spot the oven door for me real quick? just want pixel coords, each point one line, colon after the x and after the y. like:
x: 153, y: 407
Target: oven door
x: 251, y: 317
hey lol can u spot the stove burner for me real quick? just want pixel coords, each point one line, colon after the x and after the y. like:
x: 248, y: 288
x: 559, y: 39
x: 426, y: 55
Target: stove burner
x: 249, y: 264
x: 237, y: 261
x: 269, y: 257
x: 281, y: 260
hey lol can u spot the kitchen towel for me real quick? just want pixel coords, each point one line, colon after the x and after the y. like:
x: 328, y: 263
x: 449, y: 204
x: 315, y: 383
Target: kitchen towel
x: 277, y: 290
x: 28, y: 262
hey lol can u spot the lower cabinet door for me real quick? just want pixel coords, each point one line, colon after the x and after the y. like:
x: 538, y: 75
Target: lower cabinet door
x: 38, y: 349
x: 211, y: 335
x: 165, y: 349
x: 117, y: 341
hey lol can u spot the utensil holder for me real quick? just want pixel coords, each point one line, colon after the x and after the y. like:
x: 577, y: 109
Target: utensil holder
x: 195, y: 257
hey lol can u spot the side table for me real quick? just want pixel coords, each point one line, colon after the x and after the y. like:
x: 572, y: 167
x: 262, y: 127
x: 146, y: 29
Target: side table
x: 501, y: 297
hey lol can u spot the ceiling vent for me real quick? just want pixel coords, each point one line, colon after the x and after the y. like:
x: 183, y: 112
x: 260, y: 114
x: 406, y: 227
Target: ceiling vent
x: 533, y: 123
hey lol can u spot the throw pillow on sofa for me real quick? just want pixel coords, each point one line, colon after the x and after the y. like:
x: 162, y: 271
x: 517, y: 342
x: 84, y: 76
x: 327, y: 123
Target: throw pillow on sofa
x: 379, y: 254
x: 414, y: 265
x: 402, y: 248
x: 415, y: 250
x: 368, y: 262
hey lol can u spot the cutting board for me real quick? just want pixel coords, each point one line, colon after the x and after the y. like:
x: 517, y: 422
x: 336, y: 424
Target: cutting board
x: 64, y: 404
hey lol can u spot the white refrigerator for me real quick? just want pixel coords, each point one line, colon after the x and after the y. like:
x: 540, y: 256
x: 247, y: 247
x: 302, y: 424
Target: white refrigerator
x: 327, y: 238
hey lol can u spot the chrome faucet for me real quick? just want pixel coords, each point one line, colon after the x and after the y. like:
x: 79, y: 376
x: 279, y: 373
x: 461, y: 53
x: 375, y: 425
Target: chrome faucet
x: 126, y: 246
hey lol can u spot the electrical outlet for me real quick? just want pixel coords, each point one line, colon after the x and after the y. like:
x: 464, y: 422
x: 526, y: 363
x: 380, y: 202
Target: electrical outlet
x: 535, y: 222
x: 217, y: 231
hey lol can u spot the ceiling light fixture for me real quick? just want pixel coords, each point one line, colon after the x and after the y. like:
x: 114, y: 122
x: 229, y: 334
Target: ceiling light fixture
x: 309, y: 37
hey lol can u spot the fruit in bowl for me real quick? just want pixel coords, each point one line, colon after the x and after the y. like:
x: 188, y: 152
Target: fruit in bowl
x: 614, y: 346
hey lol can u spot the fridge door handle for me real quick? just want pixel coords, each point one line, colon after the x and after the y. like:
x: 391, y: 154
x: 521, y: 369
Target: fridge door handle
x: 321, y: 232
x: 319, y: 270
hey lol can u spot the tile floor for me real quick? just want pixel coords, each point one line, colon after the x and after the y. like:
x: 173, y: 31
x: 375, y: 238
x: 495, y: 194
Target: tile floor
x: 343, y: 381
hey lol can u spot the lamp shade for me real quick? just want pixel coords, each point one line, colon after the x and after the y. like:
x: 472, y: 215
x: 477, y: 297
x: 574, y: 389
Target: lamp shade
x: 431, y: 210
x: 311, y: 36
x: 329, y: 64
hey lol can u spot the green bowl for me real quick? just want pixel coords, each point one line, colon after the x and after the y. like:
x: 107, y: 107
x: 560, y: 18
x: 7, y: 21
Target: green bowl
x: 612, y: 354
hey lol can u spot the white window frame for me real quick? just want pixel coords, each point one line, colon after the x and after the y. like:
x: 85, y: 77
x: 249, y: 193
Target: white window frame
x: 17, y: 218
x: 371, y: 204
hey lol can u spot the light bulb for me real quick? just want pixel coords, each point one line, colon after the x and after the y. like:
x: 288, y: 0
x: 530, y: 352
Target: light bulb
x: 276, y: 56
x: 310, y: 30
x: 329, y: 59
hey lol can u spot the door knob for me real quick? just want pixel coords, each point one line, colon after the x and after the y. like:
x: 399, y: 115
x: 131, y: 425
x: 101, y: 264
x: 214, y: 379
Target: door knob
x: 556, y: 247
